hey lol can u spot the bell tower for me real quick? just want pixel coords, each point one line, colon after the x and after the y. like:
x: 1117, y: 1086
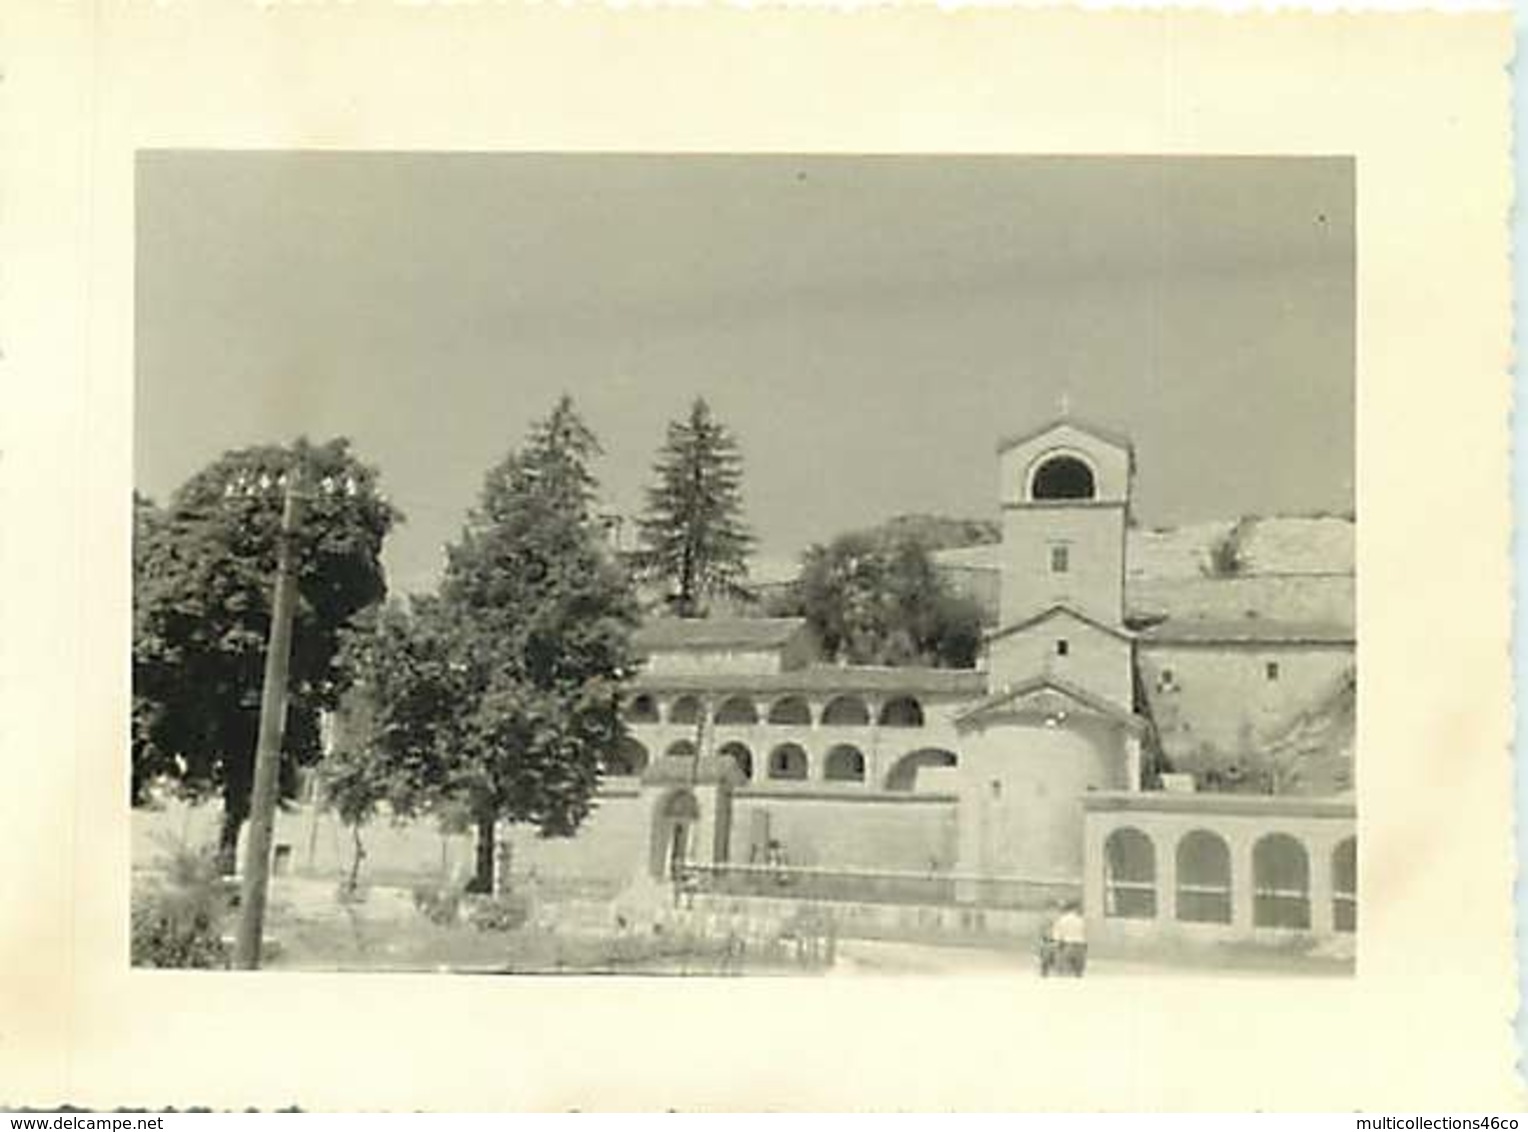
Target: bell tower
x: 1059, y: 716
x: 1065, y: 493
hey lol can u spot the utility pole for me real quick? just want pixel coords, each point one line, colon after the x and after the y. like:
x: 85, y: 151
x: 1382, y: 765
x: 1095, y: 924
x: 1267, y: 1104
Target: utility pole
x: 273, y: 710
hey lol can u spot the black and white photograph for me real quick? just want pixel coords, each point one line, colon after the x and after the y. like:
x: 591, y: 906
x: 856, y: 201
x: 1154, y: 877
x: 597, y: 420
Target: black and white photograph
x: 747, y: 559
x: 755, y: 564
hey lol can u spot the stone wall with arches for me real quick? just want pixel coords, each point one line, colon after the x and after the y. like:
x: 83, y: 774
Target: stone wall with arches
x: 840, y: 738
x: 1219, y: 866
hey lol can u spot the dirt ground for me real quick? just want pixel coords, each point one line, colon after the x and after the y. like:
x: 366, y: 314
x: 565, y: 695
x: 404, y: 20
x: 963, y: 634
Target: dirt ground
x: 309, y: 929
x: 885, y: 957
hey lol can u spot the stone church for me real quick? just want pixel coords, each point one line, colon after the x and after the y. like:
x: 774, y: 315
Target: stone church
x: 1111, y: 722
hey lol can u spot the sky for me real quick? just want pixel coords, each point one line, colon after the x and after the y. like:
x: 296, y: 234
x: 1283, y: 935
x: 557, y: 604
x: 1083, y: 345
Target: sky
x: 869, y: 327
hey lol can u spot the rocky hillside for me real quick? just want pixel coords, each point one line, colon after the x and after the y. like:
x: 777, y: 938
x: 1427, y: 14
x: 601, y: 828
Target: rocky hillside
x: 1255, y: 545
x: 1280, y: 567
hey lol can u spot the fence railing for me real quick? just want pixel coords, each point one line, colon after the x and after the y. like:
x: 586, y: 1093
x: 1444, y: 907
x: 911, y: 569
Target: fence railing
x: 880, y: 886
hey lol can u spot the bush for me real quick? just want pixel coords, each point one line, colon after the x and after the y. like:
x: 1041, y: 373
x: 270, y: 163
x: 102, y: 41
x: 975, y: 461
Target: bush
x: 178, y: 922
x: 439, y: 904
x: 500, y: 914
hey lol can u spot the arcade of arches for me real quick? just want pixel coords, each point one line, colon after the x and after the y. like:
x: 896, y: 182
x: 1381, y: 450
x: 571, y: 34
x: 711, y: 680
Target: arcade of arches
x: 740, y: 709
x: 844, y: 738
x: 1198, y: 864
x: 790, y: 762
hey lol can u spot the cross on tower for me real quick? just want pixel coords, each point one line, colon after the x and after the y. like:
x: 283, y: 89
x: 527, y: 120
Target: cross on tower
x: 1066, y: 403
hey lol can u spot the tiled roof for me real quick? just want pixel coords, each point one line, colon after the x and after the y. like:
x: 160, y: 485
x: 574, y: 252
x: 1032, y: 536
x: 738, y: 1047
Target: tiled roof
x: 1105, y: 434
x: 826, y: 679
x: 1058, y: 611
x: 1065, y: 688
x: 1322, y: 598
x: 1261, y: 805
x: 1246, y: 630
x: 678, y: 634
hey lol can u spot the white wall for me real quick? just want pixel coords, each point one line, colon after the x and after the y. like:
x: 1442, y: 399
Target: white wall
x: 1094, y: 582
x: 1095, y: 660
x: 1021, y: 789
x: 1221, y: 694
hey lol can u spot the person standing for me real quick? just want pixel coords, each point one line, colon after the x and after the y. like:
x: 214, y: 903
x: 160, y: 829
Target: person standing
x: 1069, y: 937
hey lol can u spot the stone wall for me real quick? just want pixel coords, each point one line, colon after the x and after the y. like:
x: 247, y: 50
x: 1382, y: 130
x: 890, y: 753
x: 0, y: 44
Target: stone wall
x: 828, y: 828
x: 614, y: 844
x: 1021, y: 785
x: 899, y: 832
x: 315, y: 843
x: 921, y: 922
x: 1093, y: 582
x: 1222, y: 695
x: 1095, y: 660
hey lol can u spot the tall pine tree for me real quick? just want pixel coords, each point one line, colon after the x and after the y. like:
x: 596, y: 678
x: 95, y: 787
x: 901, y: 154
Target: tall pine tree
x: 693, y: 537
x: 499, y: 699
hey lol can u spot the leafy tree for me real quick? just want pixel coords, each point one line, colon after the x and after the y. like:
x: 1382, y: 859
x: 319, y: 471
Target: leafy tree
x: 939, y: 532
x: 203, y: 573
x: 499, y: 698
x: 693, y: 536
x: 353, y: 790
x: 400, y: 723
x: 148, y: 528
x: 355, y: 785
x: 877, y: 599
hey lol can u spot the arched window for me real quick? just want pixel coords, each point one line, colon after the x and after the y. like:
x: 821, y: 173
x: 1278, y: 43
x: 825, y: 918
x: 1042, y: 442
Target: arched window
x: 642, y: 709
x: 845, y: 764
x: 686, y: 709
x: 682, y: 749
x: 1130, y: 875
x: 904, y: 773
x: 1062, y: 477
x: 681, y: 806
x: 628, y: 758
x: 846, y: 711
x: 1204, y: 878
x: 740, y: 754
x: 788, y: 760
x: 904, y: 711
x: 791, y: 710
x: 737, y: 710
x: 1280, y: 883
x: 673, y: 827
x: 1345, y: 885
